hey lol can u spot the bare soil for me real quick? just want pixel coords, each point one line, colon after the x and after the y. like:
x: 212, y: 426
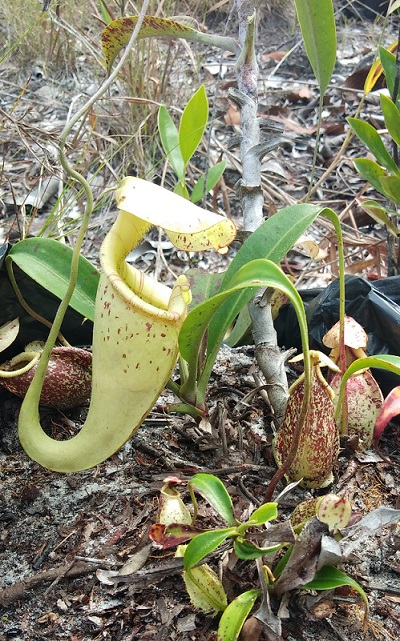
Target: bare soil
x: 65, y: 538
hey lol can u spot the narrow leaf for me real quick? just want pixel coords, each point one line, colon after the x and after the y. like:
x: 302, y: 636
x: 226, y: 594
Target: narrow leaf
x: 388, y: 61
x: 203, y: 285
x: 329, y: 578
x: 378, y: 213
x: 370, y: 171
x: 372, y: 140
x: 247, y: 550
x: 391, y: 115
x: 169, y: 136
x: 256, y: 274
x: 193, y: 123
x: 377, y: 69
x: 235, y: 615
x: 391, y: 186
x: 48, y: 262
x: 317, y: 23
x: 264, y: 513
x: 214, y: 491
x: 204, y: 544
x: 388, y: 362
x: 213, y: 175
x: 273, y: 239
x: 105, y: 14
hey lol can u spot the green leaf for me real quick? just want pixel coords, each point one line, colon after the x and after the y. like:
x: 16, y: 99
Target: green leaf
x: 391, y: 186
x: 240, y: 329
x: 391, y: 115
x: 204, y: 544
x: 235, y: 615
x: 181, y: 190
x: 8, y: 333
x: 203, y: 285
x: 193, y: 123
x: 378, y: 213
x: 372, y: 140
x: 388, y: 61
x: 370, y: 171
x: 169, y: 136
x: 329, y: 578
x: 264, y: 513
x: 247, y: 550
x: 214, y: 491
x: 258, y: 273
x: 48, y: 262
x: 317, y: 24
x: 388, y: 362
x: 272, y: 240
x: 213, y: 175
x: 107, y: 19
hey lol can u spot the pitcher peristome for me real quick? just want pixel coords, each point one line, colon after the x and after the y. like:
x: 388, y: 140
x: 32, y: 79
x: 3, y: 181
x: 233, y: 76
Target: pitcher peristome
x: 136, y: 327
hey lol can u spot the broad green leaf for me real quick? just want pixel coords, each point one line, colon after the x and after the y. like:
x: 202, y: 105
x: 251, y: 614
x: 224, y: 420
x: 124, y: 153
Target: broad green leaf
x: 391, y: 115
x: 329, y: 578
x: 247, y: 550
x: 170, y: 141
x: 388, y: 61
x: 372, y: 140
x: 193, y: 123
x: 389, y: 362
x: 370, y: 171
x: 203, y: 285
x: 391, y: 186
x: 235, y: 615
x: 48, y: 262
x: 272, y: 240
x: 204, y: 544
x: 213, y: 175
x: 264, y: 513
x: 214, y: 491
x: 258, y: 273
x: 8, y: 333
x: 317, y: 24
x: 117, y: 35
x: 378, y: 213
